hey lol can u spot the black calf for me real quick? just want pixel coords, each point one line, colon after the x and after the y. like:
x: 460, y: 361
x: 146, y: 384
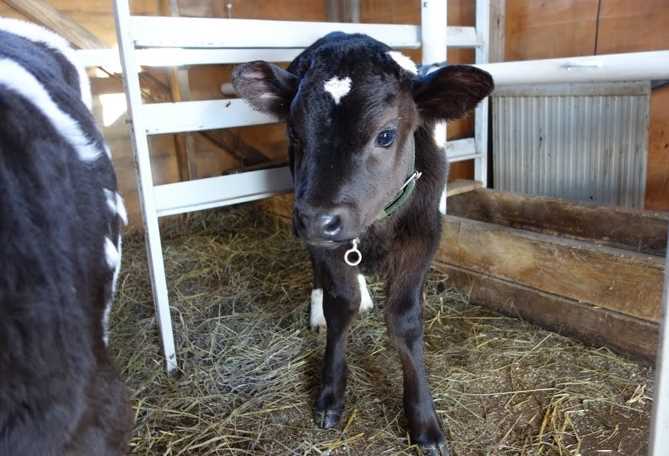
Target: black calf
x: 368, y: 181
x: 60, y: 235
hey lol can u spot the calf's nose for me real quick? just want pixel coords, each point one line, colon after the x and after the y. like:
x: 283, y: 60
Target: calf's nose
x: 313, y: 224
x: 329, y: 225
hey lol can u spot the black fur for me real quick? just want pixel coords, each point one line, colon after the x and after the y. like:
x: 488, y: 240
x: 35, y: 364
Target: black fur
x: 59, y: 394
x: 341, y: 173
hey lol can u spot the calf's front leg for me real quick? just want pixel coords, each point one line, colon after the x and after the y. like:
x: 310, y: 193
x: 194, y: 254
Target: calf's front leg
x: 404, y: 318
x: 341, y: 298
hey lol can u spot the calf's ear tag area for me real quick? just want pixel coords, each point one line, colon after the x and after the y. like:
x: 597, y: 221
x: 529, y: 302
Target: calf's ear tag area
x: 353, y: 256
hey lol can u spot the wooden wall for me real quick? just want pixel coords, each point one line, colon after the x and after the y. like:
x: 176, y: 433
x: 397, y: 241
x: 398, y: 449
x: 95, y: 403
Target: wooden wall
x: 534, y: 29
x: 564, y: 28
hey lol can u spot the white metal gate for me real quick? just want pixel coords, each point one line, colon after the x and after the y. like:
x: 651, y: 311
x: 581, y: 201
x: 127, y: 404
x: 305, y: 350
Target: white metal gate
x: 173, y: 41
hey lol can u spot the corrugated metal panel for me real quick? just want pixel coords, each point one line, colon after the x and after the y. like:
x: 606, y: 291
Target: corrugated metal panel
x: 582, y: 142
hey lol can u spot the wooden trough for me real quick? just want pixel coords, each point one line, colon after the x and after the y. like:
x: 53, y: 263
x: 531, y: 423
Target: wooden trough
x: 592, y: 272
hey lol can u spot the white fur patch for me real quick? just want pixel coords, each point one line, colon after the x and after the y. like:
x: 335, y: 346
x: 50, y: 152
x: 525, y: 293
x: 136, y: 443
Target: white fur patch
x: 105, y: 322
x: 403, y: 61
x: 108, y: 306
x: 338, y: 88
x: 112, y: 255
x: 316, y: 315
x: 18, y: 79
x: 39, y: 34
x: 116, y: 206
x: 366, y: 302
x: 120, y: 208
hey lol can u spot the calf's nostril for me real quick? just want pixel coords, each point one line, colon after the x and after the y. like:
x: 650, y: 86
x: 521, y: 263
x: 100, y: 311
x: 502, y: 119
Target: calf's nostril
x: 330, y: 225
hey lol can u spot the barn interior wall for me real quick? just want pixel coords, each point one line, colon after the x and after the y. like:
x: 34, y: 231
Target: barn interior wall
x: 534, y: 29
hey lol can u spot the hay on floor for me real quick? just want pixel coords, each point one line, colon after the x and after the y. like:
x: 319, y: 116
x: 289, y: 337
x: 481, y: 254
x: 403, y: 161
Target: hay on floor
x: 249, y: 365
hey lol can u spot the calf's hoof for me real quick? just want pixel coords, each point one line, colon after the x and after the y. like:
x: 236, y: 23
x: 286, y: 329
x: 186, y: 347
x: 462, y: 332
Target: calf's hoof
x: 431, y: 439
x: 440, y: 449
x: 327, y: 418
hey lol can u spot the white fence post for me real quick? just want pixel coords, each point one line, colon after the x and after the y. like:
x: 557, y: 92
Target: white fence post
x: 481, y: 119
x: 659, y: 436
x: 145, y: 183
x: 433, y: 34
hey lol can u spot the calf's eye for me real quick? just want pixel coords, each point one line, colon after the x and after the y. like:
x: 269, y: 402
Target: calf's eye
x: 386, y: 138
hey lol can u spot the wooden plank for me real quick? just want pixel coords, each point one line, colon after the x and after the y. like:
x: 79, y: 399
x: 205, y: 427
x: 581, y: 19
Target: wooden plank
x: 559, y: 28
x: 626, y: 26
x: 43, y: 13
x: 619, y: 280
x: 631, y: 229
x: 243, y: 33
x: 460, y: 186
x: 220, y: 191
x: 162, y: 118
x: 156, y: 31
x: 497, y: 30
x: 590, y: 324
x: 657, y: 184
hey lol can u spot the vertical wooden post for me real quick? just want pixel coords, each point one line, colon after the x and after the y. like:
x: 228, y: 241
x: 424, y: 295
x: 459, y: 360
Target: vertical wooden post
x: 497, y: 30
x: 343, y: 10
x: 180, y: 90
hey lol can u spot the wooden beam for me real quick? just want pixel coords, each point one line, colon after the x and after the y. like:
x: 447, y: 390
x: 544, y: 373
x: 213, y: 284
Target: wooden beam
x: 615, y: 279
x: 460, y: 186
x: 630, y: 229
x: 593, y: 325
x: 43, y: 13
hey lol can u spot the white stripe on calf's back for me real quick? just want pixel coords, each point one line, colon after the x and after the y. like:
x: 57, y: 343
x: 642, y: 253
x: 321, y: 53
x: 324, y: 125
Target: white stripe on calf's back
x: 112, y: 255
x: 39, y: 34
x: 21, y: 81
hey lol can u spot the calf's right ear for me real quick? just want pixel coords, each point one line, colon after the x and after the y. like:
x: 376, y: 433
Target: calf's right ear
x: 449, y: 92
x: 267, y: 87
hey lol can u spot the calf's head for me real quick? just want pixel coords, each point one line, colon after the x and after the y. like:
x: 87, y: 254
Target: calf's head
x: 352, y: 106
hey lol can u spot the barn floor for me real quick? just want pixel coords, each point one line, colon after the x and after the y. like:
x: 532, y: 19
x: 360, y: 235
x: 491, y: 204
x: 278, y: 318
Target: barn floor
x: 249, y: 365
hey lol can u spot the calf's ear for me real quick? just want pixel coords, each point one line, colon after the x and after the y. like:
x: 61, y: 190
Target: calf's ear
x: 449, y: 92
x: 267, y: 87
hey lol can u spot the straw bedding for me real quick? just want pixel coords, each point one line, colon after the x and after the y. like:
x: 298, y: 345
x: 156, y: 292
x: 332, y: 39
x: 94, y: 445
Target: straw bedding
x: 248, y: 364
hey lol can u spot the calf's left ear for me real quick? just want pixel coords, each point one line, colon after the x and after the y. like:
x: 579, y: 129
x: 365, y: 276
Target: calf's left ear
x: 267, y: 87
x: 449, y: 92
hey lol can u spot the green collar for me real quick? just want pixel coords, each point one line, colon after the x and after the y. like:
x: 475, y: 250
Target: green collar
x: 405, y: 191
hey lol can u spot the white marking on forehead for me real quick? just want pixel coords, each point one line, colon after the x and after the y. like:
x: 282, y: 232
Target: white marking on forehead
x: 338, y: 88
x: 403, y: 61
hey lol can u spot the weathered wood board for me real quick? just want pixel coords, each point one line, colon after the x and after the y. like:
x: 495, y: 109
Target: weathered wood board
x: 583, y: 321
x: 630, y: 229
x: 615, y: 279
